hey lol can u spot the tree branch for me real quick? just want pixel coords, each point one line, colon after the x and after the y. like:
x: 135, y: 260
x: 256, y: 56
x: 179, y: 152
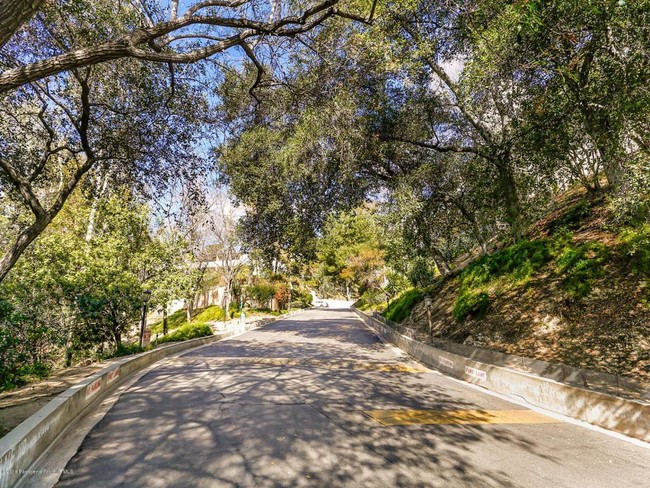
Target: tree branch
x: 437, y: 147
x: 260, y: 69
x: 129, y: 45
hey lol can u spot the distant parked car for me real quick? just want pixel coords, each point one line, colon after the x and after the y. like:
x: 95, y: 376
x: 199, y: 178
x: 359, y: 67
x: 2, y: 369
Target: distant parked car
x: 320, y: 304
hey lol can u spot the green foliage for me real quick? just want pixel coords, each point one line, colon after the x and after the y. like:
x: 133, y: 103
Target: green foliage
x: 301, y: 298
x: 262, y: 292
x: 401, y: 307
x: 631, y: 204
x: 174, y: 321
x: 471, y: 304
x: 579, y: 266
x: 371, y: 300
x: 213, y: 313
x: 422, y: 272
x: 350, y: 250
x: 186, y: 332
x: 572, y: 218
x: 178, y: 319
x: 516, y: 262
x: 125, y: 350
x: 576, y: 265
x: 636, y: 245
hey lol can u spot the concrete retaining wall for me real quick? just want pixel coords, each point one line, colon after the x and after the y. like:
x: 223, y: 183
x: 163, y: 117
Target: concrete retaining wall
x: 622, y: 415
x: 24, y: 444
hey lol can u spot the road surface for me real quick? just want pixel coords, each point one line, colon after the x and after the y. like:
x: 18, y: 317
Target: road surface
x: 317, y: 400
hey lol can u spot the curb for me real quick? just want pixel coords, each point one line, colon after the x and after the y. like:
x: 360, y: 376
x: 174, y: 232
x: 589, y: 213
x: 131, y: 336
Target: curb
x: 620, y: 415
x: 22, y: 446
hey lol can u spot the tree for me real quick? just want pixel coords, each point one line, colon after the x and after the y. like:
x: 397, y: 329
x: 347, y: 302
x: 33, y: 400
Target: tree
x: 13, y: 14
x: 56, y: 73
x: 350, y: 250
x: 224, y: 247
x: 149, y: 33
x: 64, y: 132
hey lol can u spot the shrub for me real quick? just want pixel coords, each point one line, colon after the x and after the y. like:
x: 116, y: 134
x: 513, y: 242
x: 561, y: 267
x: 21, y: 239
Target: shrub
x: 636, y: 245
x: 580, y: 265
x: 233, y: 307
x: 187, y: 331
x: 261, y: 292
x: 471, y: 304
x: 301, y: 298
x: 520, y: 261
x: 213, y: 313
x: 421, y: 272
x: 124, y: 350
x: 401, y: 307
x: 174, y: 321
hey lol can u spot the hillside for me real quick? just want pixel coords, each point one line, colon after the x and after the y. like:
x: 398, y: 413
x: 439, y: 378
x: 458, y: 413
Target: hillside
x: 576, y: 291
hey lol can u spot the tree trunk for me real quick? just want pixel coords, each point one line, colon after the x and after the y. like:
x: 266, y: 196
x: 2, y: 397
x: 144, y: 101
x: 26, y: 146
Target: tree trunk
x: 13, y: 14
x: 24, y: 239
x: 610, y: 161
x: 117, y: 335
x: 101, y: 189
x: 478, y: 235
x: 508, y: 187
x: 226, y: 300
x: 165, y: 320
x: 440, y: 261
x: 598, y: 126
x: 189, y: 304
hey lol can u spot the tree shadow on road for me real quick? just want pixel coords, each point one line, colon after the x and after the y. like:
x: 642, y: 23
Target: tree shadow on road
x: 201, y: 421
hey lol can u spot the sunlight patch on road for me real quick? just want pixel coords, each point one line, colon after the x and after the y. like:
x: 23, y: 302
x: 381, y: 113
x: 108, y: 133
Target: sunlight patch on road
x: 458, y: 417
x: 304, y: 362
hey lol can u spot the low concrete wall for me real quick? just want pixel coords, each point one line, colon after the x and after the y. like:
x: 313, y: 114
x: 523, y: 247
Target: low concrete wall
x: 622, y: 415
x: 612, y: 384
x: 24, y: 444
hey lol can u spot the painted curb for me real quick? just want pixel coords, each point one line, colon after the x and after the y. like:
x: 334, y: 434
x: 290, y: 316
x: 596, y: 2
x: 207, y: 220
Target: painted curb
x: 22, y: 446
x: 621, y: 415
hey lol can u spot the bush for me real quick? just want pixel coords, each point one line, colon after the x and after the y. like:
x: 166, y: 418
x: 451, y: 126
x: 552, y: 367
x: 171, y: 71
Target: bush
x: 520, y: 261
x: 580, y: 265
x: 301, y: 299
x: 636, y: 245
x: 125, y: 350
x: 213, y: 313
x: 421, y: 272
x: 187, y: 331
x: 262, y: 292
x: 471, y: 304
x: 401, y: 307
x: 174, y: 321
x: 572, y: 218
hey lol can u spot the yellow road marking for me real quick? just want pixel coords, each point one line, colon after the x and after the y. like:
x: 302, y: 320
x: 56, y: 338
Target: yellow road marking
x: 458, y: 417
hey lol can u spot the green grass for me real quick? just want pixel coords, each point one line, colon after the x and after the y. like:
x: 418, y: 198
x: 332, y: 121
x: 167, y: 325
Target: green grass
x: 635, y: 243
x: 124, y: 350
x: 179, y: 318
x: 174, y: 321
x: 210, y: 314
x: 401, y: 306
x: 517, y: 263
x: 580, y: 265
x: 186, y: 332
x: 577, y: 266
x: 471, y: 304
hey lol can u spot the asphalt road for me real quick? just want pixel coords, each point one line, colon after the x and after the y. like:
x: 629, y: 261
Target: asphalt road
x: 318, y: 400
